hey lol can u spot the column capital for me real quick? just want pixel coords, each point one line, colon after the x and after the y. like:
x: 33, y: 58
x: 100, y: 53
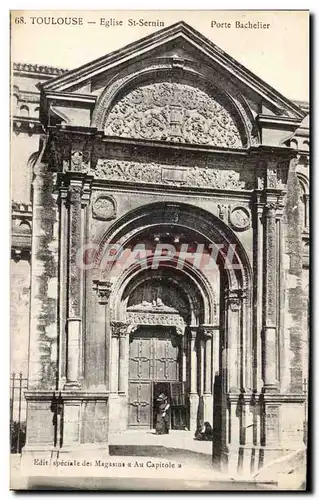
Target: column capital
x: 119, y: 328
x: 207, y: 330
x: 193, y: 331
x: 71, y: 149
x: 234, y: 299
x: 103, y: 290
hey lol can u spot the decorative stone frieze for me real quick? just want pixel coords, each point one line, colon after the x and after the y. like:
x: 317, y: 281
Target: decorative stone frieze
x: 151, y: 173
x: 153, y: 318
x: 75, y: 193
x: 270, y: 262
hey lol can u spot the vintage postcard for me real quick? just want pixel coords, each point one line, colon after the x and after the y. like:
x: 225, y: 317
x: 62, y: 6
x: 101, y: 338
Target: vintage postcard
x: 159, y: 250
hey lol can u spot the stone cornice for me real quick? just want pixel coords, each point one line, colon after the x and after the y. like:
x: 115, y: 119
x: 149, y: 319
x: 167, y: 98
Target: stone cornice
x: 38, y: 69
x: 46, y: 395
x: 26, y: 124
x: 181, y: 33
x: 279, y: 121
x: 85, y: 100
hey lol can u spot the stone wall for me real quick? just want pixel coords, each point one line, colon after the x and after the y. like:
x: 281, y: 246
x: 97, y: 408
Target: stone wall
x: 44, y: 282
x: 19, y: 312
x: 294, y: 311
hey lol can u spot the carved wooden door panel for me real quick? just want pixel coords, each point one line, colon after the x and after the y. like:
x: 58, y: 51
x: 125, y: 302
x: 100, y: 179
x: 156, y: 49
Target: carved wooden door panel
x: 140, y: 398
x: 140, y: 386
x: 166, y: 358
x: 154, y: 356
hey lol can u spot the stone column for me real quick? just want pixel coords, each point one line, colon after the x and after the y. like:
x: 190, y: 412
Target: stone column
x: 118, y: 362
x: 233, y: 342
x: 114, y: 365
x: 208, y: 361
x: 122, y: 357
x: 208, y: 399
x: 193, y: 397
x: 74, y: 319
x: 103, y: 290
x: 270, y: 348
x: 63, y: 271
x: 193, y: 359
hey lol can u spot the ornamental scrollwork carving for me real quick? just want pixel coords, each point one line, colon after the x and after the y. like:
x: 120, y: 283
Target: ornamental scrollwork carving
x: 151, y: 173
x: 176, y: 112
x: 239, y: 218
x: 104, y: 207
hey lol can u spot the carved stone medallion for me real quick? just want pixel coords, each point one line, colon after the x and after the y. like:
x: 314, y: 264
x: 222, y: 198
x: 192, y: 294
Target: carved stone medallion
x: 104, y: 208
x: 239, y: 218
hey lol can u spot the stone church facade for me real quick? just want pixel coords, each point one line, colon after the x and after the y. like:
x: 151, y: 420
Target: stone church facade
x: 160, y: 243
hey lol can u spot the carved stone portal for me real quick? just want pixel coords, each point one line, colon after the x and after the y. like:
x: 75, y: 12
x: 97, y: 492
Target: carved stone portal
x: 171, y: 111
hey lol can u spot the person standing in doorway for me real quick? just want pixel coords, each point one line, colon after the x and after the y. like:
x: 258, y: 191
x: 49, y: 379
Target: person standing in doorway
x: 162, y: 416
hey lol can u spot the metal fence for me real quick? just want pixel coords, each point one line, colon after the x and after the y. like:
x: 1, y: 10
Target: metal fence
x: 17, y: 412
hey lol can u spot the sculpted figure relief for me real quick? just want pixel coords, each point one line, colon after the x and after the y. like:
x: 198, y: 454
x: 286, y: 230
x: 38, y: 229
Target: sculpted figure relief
x: 171, y: 111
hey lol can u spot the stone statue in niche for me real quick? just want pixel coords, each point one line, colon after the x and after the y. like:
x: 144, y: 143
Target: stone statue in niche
x: 177, y: 112
x: 155, y: 297
x: 156, y: 305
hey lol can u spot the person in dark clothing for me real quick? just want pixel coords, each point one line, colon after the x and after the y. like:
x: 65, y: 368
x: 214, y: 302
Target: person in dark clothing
x: 162, y: 417
x: 204, y: 432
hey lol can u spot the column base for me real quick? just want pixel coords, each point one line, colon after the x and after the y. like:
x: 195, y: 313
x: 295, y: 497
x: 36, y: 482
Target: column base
x: 270, y: 389
x: 118, y: 413
x: 208, y: 408
x: 248, y: 461
x: 193, y: 410
x: 70, y: 386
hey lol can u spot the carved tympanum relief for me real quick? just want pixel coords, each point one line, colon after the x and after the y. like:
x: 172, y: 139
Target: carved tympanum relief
x: 171, y: 111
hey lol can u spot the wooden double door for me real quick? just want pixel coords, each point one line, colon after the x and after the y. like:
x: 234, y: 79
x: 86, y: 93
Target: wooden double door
x: 155, y: 367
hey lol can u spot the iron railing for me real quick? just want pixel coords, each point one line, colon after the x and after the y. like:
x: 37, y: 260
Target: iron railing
x: 17, y: 412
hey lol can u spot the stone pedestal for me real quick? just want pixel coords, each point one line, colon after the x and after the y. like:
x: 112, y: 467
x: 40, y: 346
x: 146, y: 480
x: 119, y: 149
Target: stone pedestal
x: 64, y: 421
x: 117, y: 413
x: 193, y: 410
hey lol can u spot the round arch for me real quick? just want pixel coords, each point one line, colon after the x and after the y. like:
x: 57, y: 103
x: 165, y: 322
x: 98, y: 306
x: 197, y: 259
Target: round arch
x: 193, y: 75
x: 187, y: 217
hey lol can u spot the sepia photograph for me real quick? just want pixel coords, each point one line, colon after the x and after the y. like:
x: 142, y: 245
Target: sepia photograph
x: 159, y: 272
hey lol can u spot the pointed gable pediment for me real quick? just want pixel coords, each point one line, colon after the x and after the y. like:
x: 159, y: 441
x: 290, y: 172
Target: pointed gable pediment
x: 234, y: 108
x: 179, y: 42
